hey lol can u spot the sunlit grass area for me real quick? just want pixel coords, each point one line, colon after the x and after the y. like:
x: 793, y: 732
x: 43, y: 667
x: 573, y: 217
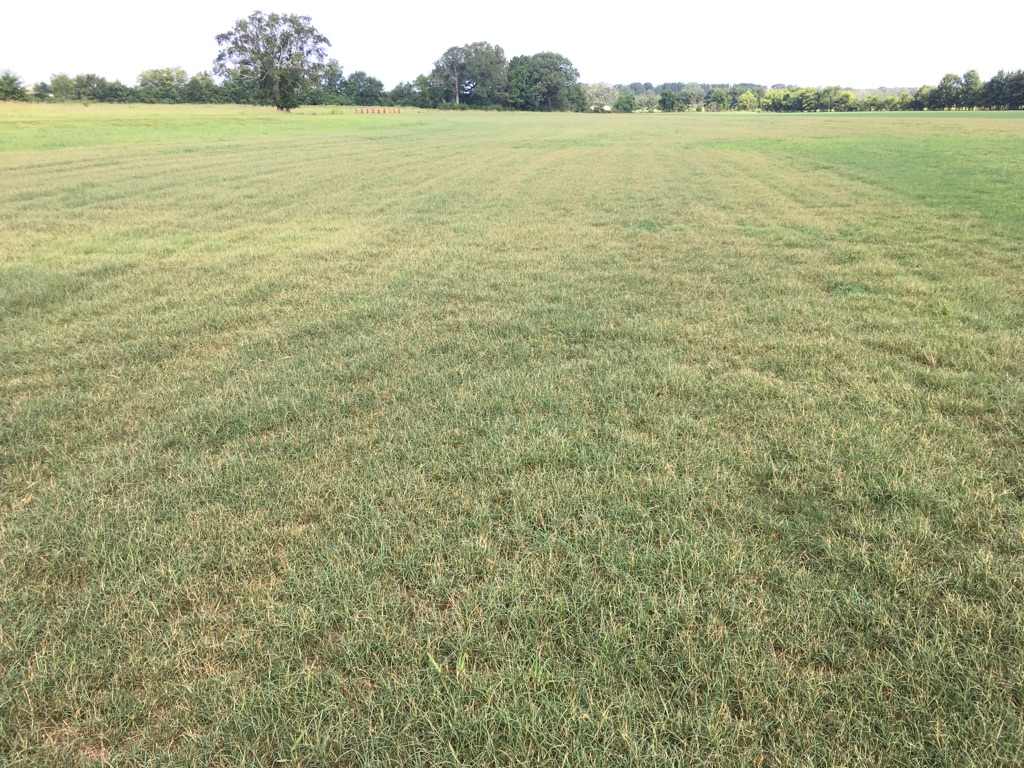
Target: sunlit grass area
x: 510, y: 439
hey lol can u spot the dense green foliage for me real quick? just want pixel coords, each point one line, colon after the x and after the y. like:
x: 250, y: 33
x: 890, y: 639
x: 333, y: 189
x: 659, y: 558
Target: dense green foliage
x: 1003, y: 91
x: 613, y: 442
x: 626, y: 102
x: 11, y: 87
x: 275, y: 55
x: 544, y: 81
x: 279, y: 59
x: 477, y: 75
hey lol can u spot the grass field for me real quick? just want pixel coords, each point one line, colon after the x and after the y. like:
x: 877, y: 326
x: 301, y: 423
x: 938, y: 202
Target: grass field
x: 510, y: 439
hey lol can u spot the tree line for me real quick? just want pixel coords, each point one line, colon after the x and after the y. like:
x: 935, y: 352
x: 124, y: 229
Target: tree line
x: 174, y: 86
x: 542, y: 81
x: 475, y: 76
x: 280, y: 60
x: 1005, y: 90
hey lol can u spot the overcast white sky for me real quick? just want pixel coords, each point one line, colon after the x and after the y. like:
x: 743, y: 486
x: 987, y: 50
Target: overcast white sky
x: 805, y: 42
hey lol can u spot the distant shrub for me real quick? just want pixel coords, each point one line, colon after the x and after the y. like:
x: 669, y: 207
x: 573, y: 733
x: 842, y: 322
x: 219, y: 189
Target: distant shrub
x: 625, y: 103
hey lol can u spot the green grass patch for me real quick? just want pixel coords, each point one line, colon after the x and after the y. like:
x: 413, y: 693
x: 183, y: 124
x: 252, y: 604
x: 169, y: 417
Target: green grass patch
x: 510, y: 439
x: 647, y: 226
x: 850, y: 289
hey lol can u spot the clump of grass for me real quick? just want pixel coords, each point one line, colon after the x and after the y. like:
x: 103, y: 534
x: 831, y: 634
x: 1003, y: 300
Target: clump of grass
x: 850, y: 289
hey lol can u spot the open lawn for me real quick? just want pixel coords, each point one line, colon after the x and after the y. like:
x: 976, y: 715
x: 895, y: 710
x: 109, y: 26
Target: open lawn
x: 510, y: 439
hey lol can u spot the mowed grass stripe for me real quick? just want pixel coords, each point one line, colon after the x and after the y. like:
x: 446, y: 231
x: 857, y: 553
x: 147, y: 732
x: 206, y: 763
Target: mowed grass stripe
x: 588, y: 439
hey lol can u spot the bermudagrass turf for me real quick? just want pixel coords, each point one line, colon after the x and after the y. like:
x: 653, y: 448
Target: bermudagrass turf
x: 510, y: 439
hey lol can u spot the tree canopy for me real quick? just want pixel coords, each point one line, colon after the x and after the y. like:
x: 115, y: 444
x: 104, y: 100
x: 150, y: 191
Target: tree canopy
x: 280, y: 60
x: 274, y: 55
x: 544, y: 81
x: 162, y: 86
x: 11, y: 88
x: 474, y: 73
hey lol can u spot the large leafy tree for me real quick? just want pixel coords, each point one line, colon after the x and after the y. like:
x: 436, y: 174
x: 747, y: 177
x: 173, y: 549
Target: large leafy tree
x: 274, y: 55
x: 545, y: 81
x: 718, y: 98
x: 425, y: 93
x: 970, y: 93
x: 747, y: 101
x: 11, y: 88
x: 328, y: 87
x: 449, y: 73
x: 668, y: 101
x: 162, y: 86
x: 947, y: 93
x: 363, y: 90
x: 331, y: 85
x: 626, y: 102
x: 692, y: 95
x: 93, y: 87
x: 41, y: 91
x: 474, y: 73
x: 63, y: 88
x: 201, y: 89
x: 486, y: 73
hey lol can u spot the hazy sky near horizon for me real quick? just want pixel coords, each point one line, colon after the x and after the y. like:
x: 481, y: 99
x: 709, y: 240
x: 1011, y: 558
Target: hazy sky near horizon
x: 859, y: 45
